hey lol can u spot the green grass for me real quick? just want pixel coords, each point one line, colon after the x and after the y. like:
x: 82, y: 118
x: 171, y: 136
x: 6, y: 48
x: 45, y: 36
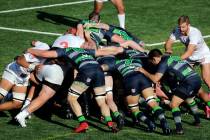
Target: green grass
x: 151, y: 20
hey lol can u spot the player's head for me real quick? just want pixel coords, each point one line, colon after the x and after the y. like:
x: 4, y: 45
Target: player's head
x: 154, y: 56
x: 94, y: 17
x: 71, y: 30
x: 184, y: 24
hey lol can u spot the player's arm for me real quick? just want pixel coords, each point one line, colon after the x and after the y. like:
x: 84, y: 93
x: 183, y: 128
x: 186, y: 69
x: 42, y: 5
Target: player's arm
x: 89, y: 40
x: 111, y: 50
x: 133, y: 45
x: 105, y: 51
x: 43, y: 53
x: 189, y: 52
x: 154, y: 77
x: 97, y: 25
x: 80, y: 30
x: 168, y: 46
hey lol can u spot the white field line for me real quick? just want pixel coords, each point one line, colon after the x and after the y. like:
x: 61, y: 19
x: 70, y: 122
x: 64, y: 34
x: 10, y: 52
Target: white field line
x: 58, y: 34
x: 45, y: 6
x: 29, y: 31
x: 162, y: 43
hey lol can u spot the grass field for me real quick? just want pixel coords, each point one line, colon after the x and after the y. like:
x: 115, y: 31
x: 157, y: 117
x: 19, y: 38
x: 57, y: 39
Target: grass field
x: 151, y: 20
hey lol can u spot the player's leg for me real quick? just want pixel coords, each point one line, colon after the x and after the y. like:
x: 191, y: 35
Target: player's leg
x: 133, y: 105
x: 148, y: 94
x: 205, y: 71
x: 175, y: 103
x: 76, y: 89
x: 45, y: 94
x: 121, y: 11
x: 206, y: 98
x: 117, y: 116
x: 194, y: 109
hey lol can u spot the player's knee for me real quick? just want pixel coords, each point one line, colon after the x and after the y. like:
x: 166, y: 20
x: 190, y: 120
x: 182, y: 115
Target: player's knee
x: 3, y: 93
x: 19, y: 97
x: 174, y: 105
x: 73, y: 95
x: 133, y: 107
x: 121, y: 10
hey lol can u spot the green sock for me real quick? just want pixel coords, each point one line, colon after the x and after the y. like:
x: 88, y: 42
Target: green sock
x: 208, y: 103
x: 136, y: 113
x: 116, y: 114
x: 108, y: 119
x: 81, y: 118
x: 193, y: 103
x: 156, y: 108
x: 175, y: 109
x: 157, y: 100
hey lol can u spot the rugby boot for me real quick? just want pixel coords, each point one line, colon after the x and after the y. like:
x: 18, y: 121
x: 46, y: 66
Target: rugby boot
x: 83, y: 126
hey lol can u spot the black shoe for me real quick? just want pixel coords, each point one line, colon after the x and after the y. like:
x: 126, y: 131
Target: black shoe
x: 197, y: 124
x: 180, y: 131
x: 165, y: 127
x: 113, y: 127
x: 120, y: 121
x: 69, y: 114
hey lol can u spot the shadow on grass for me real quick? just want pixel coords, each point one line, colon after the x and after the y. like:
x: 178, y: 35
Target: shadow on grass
x: 57, y: 19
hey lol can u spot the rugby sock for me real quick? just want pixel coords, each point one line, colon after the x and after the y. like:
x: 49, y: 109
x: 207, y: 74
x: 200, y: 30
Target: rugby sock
x: 116, y: 114
x: 107, y: 119
x: 81, y: 118
x: 121, y: 18
x: 141, y: 117
x: 177, y: 117
x: 208, y: 103
x: 158, y: 113
x: 157, y: 100
x: 194, y: 108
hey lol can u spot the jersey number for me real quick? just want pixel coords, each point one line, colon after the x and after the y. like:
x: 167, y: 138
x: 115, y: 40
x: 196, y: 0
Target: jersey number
x: 64, y: 44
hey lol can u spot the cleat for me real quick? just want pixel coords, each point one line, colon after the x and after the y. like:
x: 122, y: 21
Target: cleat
x: 69, y: 114
x: 113, y: 127
x: 120, y: 121
x: 197, y: 124
x: 165, y: 127
x: 87, y: 112
x: 83, y: 126
x: 21, y: 120
x: 207, y: 112
x: 180, y: 131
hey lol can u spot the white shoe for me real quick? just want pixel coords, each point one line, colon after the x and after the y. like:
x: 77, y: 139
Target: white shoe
x: 21, y: 120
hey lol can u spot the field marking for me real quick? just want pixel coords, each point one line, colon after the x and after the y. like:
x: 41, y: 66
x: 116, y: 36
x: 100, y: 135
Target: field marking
x: 45, y: 6
x: 30, y: 31
x: 162, y: 43
x: 59, y: 34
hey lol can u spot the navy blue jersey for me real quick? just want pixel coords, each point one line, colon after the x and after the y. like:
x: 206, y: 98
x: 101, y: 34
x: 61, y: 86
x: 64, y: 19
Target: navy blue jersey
x: 127, y: 66
x: 80, y: 57
x: 176, y: 69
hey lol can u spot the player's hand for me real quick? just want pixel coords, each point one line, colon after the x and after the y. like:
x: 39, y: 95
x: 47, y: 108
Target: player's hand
x: 88, y: 25
x: 142, y: 44
x: 38, y: 67
x: 140, y: 69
